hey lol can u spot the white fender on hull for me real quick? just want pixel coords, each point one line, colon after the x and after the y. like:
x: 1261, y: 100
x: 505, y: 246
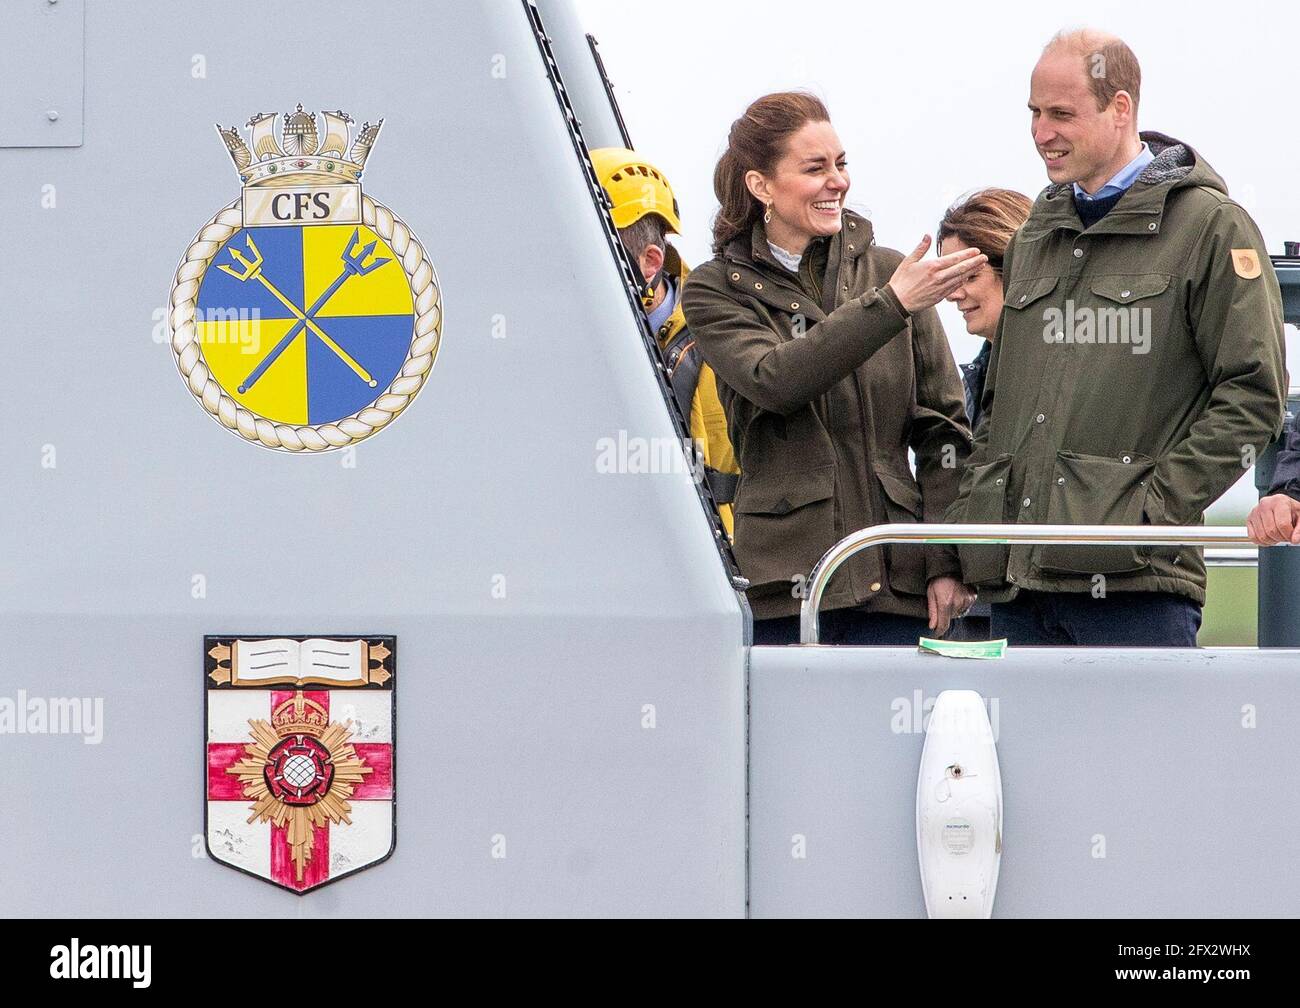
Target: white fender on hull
x: 959, y: 808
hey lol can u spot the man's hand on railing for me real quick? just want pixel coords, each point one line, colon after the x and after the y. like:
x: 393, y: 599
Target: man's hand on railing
x: 948, y: 599
x: 1275, y: 519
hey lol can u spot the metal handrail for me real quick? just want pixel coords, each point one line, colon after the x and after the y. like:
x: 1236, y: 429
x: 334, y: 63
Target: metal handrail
x: 991, y: 534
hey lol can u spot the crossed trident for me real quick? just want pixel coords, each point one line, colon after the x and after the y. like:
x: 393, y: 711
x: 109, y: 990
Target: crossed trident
x: 353, y: 265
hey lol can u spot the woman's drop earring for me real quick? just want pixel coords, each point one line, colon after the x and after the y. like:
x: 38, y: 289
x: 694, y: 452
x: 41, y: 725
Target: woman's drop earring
x: 767, y: 215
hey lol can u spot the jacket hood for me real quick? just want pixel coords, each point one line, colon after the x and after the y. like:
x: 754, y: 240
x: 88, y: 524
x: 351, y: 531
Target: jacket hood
x: 1176, y: 164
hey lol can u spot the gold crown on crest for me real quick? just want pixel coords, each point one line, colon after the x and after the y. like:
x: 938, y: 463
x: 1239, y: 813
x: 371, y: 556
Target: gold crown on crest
x: 300, y: 156
x: 299, y: 716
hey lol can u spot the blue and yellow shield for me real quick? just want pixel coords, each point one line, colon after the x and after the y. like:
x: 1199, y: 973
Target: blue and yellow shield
x: 305, y: 316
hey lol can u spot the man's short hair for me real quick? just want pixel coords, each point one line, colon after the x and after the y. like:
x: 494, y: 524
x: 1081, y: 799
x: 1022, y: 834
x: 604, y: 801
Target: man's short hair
x: 1108, y: 63
x: 641, y: 234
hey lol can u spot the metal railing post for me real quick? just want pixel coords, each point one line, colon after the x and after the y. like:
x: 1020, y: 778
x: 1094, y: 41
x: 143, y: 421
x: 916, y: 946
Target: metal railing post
x: 1279, y: 570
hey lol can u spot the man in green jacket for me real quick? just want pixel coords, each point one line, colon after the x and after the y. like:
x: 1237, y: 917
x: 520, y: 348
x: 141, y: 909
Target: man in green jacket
x: 1138, y: 369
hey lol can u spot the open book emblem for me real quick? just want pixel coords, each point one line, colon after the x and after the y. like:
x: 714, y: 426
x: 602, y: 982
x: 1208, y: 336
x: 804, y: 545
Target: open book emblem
x: 299, y: 755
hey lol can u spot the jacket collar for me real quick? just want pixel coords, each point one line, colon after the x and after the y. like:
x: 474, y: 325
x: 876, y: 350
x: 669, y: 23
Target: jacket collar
x: 752, y: 249
x: 751, y: 267
x: 674, y: 266
x: 1140, y: 211
x: 678, y: 271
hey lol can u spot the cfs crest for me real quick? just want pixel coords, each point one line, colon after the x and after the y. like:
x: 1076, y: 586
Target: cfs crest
x: 299, y: 768
x: 305, y: 316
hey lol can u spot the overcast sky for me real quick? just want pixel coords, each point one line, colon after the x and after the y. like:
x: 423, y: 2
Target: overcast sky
x: 929, y: 98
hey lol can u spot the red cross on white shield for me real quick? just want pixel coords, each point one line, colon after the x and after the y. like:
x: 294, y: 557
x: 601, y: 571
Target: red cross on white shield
x: 262, y: 848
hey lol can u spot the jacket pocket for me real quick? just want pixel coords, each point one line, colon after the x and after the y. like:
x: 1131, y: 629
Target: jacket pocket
x: 986, y: 503
x: 1023, y: 293
x: 1026, y: 303
x: 905, y: 562
x: 1128, y: 288
x: 1130, y: 308
x: 784, y: 523
x: 1097, y: 490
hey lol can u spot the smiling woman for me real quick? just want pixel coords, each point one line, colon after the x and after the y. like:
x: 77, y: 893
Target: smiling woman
x: 831, y: 364
x: 985, y: 220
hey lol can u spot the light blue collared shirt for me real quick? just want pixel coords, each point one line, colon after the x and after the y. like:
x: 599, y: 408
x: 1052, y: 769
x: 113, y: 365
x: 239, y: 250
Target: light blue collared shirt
x: 666, y: 307
x: 1124, y: 178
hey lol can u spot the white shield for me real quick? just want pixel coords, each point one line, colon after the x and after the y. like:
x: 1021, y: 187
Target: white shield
x: 299, y: 754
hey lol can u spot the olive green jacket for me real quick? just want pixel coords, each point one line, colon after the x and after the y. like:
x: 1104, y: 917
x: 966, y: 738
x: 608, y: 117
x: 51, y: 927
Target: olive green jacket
x: 1138, y: 368
x: 827, y: 382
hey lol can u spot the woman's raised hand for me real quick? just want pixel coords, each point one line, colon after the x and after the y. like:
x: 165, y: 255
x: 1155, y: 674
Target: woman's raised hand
x: 921, y: 283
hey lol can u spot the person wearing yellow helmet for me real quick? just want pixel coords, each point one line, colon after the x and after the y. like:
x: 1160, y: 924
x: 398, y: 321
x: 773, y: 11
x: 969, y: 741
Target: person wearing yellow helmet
x: 645, y: 212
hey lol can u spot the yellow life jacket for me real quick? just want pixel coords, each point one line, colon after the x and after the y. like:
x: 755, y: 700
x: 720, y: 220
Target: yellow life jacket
x: 696, y: 393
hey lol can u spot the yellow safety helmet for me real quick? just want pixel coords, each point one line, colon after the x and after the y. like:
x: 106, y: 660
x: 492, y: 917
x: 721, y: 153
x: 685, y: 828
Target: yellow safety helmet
x: 635, y: 187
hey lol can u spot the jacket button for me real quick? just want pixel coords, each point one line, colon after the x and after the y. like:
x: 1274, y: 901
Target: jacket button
x: 735, y: 276
x: 846, y: 286
x: 1151, y: 226
x: 794, y: 305
x: 1125, y: 293
x: 998, y: 481
x: 1024, y: 298
x: 875, y: 586
x: 850, y: 246
x: 1026, y: 502
x: 852, y: 225
x: 1126, y: 459
x: 1078, y: 253
x: 1040, y: 418
x: 1060, y: 481
x: 758, y: 286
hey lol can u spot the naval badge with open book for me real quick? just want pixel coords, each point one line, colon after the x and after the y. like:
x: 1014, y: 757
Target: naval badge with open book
x: 299, y: 755
x: 304, y: 316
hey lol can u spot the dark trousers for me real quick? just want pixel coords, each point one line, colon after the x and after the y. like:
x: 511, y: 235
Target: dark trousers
x: 1121, y: 619
x: 970, y: 628
x: 846, y: 626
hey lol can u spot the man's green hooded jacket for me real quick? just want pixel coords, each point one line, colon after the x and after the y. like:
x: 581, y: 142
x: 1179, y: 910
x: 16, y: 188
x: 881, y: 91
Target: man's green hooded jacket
x: 1139, y: 367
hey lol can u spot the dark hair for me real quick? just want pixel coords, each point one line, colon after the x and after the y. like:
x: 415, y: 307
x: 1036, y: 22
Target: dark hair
x: 642, y: 233
x: 756, y: 142
x: 986, y: 220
